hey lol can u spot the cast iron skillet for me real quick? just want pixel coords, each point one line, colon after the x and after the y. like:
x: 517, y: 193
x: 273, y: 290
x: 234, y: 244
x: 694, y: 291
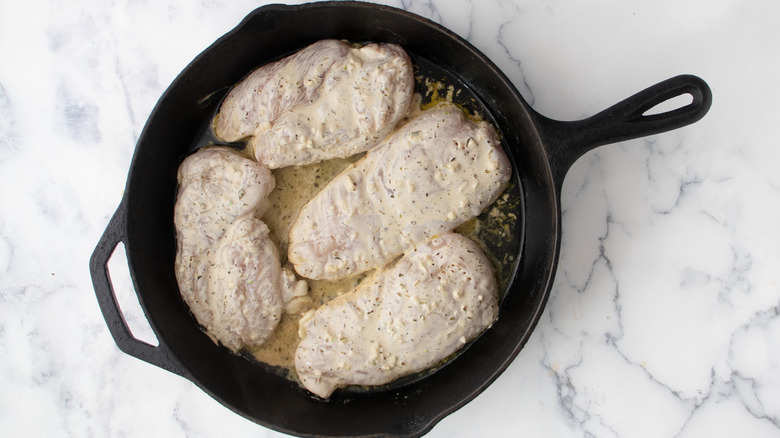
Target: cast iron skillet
x: 541, y: 150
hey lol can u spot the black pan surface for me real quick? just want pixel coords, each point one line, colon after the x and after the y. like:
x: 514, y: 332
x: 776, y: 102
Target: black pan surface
x: 541, y: 150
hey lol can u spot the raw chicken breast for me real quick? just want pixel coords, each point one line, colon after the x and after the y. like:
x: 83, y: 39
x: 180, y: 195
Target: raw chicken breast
x: 436, y: 172
x: 216, y: 186
x: 328, y: 100
x: 243, y: 285
x: 413, y: 315
x: 227, y: 268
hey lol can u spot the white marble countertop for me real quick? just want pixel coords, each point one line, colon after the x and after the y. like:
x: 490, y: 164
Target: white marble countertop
x: 663, y: 320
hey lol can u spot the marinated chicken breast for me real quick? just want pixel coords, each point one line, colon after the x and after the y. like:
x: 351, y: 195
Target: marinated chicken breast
x: 413, y: 315
x: 216, y: 187
x: 243, y: 281
x: 227, y: 268
x: 328, y: 100
x: 436, y: 172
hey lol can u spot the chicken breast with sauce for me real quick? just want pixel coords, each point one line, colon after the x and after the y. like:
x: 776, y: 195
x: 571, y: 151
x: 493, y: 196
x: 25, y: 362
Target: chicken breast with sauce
x: 410, y: 317
x: 227, y: 267
x: 436, y: 172
x: 328, y: 100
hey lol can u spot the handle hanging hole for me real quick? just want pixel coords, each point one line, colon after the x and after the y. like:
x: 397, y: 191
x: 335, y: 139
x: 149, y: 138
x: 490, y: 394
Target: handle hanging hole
x: 669, y: 105
x: 127, y: 299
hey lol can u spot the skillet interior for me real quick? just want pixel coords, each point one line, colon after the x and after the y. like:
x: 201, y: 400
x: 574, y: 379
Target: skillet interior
x: 263, y: 396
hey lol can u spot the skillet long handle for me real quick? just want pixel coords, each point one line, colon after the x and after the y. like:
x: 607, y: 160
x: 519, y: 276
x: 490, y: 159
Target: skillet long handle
x: 568, y: 141
x: 116, y: 232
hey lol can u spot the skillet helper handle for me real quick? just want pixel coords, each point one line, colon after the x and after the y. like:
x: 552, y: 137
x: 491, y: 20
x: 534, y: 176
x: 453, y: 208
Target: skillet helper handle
x: 626, y: 120
x: 115, y: 233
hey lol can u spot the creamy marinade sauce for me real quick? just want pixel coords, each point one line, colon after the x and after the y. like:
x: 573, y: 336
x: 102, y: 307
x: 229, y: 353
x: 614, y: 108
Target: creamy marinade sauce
x: 295, y: 185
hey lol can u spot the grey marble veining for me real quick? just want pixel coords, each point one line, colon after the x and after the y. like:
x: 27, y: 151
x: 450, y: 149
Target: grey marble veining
x: 664, y: 317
